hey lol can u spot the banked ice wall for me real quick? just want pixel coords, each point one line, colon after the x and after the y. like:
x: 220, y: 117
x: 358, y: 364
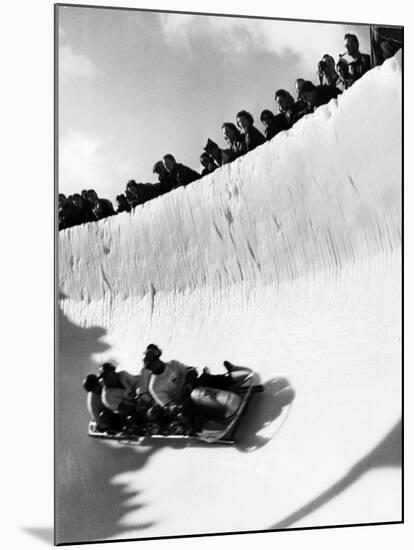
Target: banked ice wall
x: 287, y: 261
x: 316, y: 197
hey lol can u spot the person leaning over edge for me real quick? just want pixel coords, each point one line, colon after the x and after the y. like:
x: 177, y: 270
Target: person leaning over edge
x: 235, y: 140
x: 318, y: 95
x: 360, y: 62
x: 252, y: 136
x: 273, y: 124
x: 180, y: 174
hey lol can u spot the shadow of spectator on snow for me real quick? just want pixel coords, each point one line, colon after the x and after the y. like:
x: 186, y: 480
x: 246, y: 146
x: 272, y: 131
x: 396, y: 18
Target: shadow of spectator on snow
x: 262, y: 411
x: 90, y: 506
x: 387, y: 454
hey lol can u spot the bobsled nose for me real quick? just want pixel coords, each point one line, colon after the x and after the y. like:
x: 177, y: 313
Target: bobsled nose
x: 240, y: 375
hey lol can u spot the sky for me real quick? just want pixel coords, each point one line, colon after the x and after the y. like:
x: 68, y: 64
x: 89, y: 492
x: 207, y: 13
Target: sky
x: 136, y: 85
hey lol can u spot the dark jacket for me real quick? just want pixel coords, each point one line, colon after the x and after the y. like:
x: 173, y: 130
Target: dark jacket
x: 279, y: 124
x: 253, y: 138
x: 236, y: 149
x: 296, y: 111
x: 86, y: 212
x: 183, y: 175
x: 324, y: 94
x: 102, y: 209
x: 359, y: 66
x: 69, y: 215
x: 206, y: 171
x: 123, y: 207
x: 166, y: 183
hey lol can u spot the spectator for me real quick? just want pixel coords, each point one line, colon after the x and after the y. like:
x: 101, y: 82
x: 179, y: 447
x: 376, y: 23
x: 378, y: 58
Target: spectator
x: 273, y: 124
x: 326, y: 71
x: 385, y: 42
x: 361, y: 62
x: 180, y: 174
x: 61, y: 200
x: 164, y: 178
x: 91, y: 196
x: 298, y: 86
x: 61, y: 211
x: 291, y: 109
x: 122, y: 204
x: 69, y: 215
x: 345, y: 78
x: 108, y: 206
x: 218, y: 156
x: 84, y: 208
x: 318, y: 95
x: 207, y: 163
x: 237, y: 144
x: 102, y: 209
x: 133, y: 194
x: 151, y: 190
x: 252, y: 137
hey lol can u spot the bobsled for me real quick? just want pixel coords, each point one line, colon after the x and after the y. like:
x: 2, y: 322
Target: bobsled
x: 220, y: 411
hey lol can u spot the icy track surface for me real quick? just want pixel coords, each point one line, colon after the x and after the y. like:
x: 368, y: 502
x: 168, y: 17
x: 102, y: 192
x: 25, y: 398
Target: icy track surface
x: 286, y: 261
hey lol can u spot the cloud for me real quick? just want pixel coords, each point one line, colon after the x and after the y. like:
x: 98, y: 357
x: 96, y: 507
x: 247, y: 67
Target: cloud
x: 90, y: 161
x: 73, y: 64
x: 234, y: 36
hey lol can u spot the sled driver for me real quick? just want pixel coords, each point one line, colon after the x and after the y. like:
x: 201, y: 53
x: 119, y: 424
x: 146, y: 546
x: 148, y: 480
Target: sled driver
x: 170, y: 383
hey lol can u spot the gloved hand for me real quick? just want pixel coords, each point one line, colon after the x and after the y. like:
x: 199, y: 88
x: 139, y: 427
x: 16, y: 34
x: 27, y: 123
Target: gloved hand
x: 173, y: 409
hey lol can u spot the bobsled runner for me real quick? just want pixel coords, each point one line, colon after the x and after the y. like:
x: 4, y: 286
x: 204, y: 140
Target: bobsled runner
x: 222, y: 411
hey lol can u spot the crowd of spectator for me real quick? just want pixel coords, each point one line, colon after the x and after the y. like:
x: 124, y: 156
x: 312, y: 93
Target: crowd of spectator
x: 240, y: 138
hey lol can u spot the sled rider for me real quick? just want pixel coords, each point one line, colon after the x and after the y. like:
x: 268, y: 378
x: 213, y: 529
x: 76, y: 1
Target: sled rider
x: 101, y: 416
x: 170, y: 383
x: 122, y: 394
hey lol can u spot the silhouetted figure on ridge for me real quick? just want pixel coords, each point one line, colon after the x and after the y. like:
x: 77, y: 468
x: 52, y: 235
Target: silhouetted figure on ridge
x: 68, y: 213
x: 180, y: 174
x: 291, y: 109
x: 273, y: 124
x: 235, y: 140
x: 252, y: 137
x: 103, y: 209
x: 345, y: 77
x: 84, y: 208
x: 217, y: 155
x: 327, y: 72
x: 298, y: 87
x: 122, y: 204
x: 360, y: 62
x: 318, y: 95
x: 133, y: 194
x: 207, y: 163
x: 164, y: 178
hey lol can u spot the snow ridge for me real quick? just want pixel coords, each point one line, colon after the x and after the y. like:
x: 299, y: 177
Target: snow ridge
x: 317, y: 197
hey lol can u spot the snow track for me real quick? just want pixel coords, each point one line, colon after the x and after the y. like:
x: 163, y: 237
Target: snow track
x: 288, y: 261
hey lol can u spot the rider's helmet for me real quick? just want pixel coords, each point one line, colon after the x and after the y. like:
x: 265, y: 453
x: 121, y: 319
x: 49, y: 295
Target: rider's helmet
x: 151, y: 353
x: 90, y: 382
x: 105, y: 369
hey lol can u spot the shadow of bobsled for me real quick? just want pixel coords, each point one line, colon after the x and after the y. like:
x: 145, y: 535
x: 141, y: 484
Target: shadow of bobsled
x: 262, y: 412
